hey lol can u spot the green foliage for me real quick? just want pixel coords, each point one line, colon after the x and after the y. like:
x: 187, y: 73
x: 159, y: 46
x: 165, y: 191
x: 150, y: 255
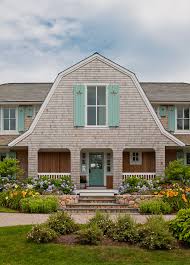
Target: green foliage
x: 177, y: 170
x: 103, y: 221
x: 124, y: 229
x: 155, y: 206
x: 40, y: 204
x: 180, y: 226
x: 155, y: 234
x: 10, y: 167
x: 62, y: 223
x: 92, y: 235
x: 41, y: 234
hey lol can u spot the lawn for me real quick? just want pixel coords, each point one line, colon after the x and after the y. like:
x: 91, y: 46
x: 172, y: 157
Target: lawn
x: 15, y: 250
x: 7, y: 210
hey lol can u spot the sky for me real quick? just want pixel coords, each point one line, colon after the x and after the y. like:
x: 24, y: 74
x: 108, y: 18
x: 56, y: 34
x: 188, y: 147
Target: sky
x: 40, y: 38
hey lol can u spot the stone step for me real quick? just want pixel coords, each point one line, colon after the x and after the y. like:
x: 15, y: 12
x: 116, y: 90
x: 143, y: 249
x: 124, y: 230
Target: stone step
x: 97, y: 205
x: 97, y: 193
x: 105, y: 209
x: 90, y: 199
x: 96, y: 201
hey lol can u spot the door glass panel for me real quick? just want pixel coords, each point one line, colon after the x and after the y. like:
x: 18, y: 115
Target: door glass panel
x: 91, y: 115
x: 101, y: 95
x: 101, y: 116
x: 91, y: 95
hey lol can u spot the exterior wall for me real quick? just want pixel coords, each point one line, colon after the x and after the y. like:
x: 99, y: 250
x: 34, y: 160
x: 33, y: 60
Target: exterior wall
x: 22, y: 156
x: 148, y: 163
x: 137, y: 127
x: 171, y: 154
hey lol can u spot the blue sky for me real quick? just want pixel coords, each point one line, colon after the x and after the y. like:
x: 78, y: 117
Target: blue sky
x: 40, y: 38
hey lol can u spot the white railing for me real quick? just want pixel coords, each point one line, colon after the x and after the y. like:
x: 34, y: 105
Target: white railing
x: 53, y: 175
x: 144, y: 175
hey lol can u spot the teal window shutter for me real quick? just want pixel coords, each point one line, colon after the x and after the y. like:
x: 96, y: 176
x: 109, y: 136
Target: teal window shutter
x: 12, y: 154
x: 29, y: 111
x: 162, y: 111
x: 79, y: 105
x: 21, y: 118
x: 171, y: 118
x: 113, y: 105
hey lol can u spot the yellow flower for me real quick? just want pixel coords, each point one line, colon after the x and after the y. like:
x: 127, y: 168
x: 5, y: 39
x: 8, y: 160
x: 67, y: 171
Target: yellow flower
x: 24, y: 193
x: 184, y: 198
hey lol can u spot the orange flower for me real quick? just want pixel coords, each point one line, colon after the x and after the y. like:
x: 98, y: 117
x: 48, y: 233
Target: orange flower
x: 184, y: 198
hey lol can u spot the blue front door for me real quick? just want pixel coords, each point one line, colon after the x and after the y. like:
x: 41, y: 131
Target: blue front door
x: 96, y: 169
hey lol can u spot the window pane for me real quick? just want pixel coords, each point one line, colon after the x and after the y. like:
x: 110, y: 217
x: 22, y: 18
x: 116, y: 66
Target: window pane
x: 91, y: 116
x: 186, y: 112
x: 180, y: 112
x: 186, y: 124
x: 91, y: 95
x: 188, y: 158
x: 101, y: 95
x: 179, y: 124
x: 6, y: 124
x: 6, y: 113
x: 101, y: 116
x: 12, y: 113
x: 12, y: 124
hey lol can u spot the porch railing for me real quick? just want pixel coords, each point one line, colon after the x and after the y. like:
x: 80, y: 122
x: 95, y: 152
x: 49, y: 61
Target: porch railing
x: 144, y: 175
x: 53, y: 175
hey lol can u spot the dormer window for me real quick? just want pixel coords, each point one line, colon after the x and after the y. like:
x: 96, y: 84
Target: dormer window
x: 183, y: 118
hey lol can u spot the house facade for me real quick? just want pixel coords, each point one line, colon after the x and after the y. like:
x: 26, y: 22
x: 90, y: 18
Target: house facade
x: 95, y: 122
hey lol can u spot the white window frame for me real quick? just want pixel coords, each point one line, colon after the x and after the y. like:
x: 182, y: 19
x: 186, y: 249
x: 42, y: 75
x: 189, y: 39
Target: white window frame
x: 182, y: 131
x: 86, y: 105
x: 9, y: 132
x: 139, y: 161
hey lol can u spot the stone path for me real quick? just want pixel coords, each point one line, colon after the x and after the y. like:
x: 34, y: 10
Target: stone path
x: 11, y: 219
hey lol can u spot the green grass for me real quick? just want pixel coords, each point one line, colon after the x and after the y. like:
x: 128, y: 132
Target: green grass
x: 15, y: 250
x: 7, y: 210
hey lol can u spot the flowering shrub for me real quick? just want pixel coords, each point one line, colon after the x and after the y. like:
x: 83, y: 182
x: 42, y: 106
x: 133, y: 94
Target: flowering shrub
x: 178, y: 197
x: 103, y: 221
x: 136, y: 184
x: 92, y: 235
x: 41, y: 234
x: 62, y: 185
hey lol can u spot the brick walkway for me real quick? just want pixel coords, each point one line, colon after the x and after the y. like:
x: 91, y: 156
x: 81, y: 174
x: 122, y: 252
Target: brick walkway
x: 11, y: 219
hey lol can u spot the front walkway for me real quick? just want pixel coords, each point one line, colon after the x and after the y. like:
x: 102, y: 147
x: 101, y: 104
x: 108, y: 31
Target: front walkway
x: 11, y: 219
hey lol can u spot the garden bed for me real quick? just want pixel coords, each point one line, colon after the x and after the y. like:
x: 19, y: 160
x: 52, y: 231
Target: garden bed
x: 133, y: 200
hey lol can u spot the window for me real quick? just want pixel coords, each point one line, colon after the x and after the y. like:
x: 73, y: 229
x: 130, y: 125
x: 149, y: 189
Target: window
x: 9, y: 119
x: 135, y: 158
x: 188, y: 158
x: 83, y: 163
x: 183, y: 118
x: 109, y: 163
x: 96, y: 105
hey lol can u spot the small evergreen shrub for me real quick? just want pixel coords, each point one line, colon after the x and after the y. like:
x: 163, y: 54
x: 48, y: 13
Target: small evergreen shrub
x: 62, y: 223
x: 92, y: 235
x: 177, y: 170
x: 155, y: 206
x: 180, y: 226
x: 39, y: 204
x: 103, y: 221
x: 124, y: 229
x: 41, y: 234
x: 155, y: 234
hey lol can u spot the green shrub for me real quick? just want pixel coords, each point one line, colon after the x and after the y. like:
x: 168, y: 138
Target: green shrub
x: 41, y: 234
x: 40, y: 204
x: 10, y: 167
x: 92, y: 235
x: 155, y: 234
x: 62, y: 223
x: 124, y: 229
x: 103, y: 221
x: 155, y: 206
x: 180, y: 226
x: 177, y: 170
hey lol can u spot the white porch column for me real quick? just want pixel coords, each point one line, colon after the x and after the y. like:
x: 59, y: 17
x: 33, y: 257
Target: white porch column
x: 75, y: 167
x: 160, y: 161
x: 32, y: 162
x: 117, y: 168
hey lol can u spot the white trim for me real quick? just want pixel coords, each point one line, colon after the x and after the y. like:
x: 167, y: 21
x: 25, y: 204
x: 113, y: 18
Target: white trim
x: 181, y: 131
x: 114, y: 65
x: 143, y: 175
x: 8, y: 132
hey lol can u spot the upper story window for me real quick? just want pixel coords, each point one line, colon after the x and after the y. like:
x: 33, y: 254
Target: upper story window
x: 96, y: 106
x: 183, y: 118
x: 8, y: 119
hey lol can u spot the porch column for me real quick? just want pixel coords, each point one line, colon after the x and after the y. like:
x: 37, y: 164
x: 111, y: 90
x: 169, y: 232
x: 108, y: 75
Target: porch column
x: 117, y: 168
x: 160, y: 161
x: 32, y: 161
x: 75, y: 167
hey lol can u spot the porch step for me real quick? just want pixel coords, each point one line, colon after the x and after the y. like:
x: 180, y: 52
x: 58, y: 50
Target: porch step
x: 97, y: 205
x: 96, y: 193
x: 94, y: 199
x: 105, y: 209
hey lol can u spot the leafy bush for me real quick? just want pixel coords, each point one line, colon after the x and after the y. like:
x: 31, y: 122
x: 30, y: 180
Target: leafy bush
x: 180, y: 226
x: 124, y: 229
x: 41, y: 234
x: 136, y: 184
x: 177, y: 170
x: 155, y: 206
x: 62, y: 185
x: 40, y: 204
x: 92, y: 235
x: 62, y: 223
x: 103, y: 221
x: 10, y: 167
x: 155, y: 234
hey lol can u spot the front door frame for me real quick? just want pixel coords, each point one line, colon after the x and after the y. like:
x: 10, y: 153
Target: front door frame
x: 103, y: 167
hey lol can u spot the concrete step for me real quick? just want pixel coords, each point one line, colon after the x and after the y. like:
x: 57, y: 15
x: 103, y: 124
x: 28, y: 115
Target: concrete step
x: 95, y: 199
x: 105, y: 209
x: 97, y: 205
x: 96, y: 193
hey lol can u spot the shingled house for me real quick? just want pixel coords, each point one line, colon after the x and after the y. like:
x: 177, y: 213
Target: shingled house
x: 96, y: 120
